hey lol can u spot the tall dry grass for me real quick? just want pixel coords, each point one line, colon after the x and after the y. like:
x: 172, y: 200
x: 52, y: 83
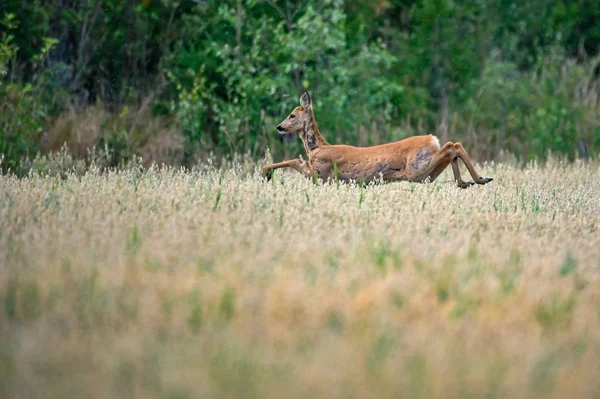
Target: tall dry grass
x: 130, y: 133
x: 215, y: 284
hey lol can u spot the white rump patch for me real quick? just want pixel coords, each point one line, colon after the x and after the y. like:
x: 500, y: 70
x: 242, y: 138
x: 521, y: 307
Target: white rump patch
x: 435, y: 141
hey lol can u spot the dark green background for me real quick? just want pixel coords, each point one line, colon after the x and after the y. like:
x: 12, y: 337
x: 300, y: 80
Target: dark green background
x: 517, y: 77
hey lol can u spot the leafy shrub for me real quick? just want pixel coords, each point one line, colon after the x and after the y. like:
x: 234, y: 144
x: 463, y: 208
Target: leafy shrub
x: 255, y: 85
x: 553, y: 109
x: 24, y: 108
x: 505, y: 77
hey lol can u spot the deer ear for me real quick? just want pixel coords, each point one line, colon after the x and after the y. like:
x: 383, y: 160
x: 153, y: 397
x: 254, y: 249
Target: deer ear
x: 305, y: 101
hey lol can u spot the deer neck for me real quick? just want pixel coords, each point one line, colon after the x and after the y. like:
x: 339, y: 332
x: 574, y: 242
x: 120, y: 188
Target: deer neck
x: 310, y: 135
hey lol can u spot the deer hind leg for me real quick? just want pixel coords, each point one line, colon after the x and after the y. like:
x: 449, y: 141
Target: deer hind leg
x: 462, y: 154
x: 443, y: 165
x: 447, y: 156
x: 439, y: 168
x: 296, y: 164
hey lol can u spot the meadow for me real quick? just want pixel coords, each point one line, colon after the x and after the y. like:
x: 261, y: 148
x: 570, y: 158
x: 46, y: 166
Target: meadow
x: 212, y: 283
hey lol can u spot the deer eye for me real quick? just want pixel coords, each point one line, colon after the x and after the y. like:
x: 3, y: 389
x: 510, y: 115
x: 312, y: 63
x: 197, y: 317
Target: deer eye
x: 292, y: 116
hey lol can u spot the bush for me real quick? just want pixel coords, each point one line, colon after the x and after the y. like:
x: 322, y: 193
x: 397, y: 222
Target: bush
x: 235, y: 106
x: 172, y: 80
x: 24, y: 106
x: 553, y: 109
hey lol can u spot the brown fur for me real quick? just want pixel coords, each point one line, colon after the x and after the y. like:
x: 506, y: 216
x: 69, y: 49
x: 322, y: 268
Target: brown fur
x: 413, y: 159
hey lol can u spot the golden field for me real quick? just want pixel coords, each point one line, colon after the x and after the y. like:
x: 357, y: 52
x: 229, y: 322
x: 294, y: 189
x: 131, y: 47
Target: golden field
x: 213, y: 283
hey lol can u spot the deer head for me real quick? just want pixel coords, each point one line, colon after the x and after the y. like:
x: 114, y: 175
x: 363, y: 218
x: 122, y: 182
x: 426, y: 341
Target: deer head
x: 299, y: 117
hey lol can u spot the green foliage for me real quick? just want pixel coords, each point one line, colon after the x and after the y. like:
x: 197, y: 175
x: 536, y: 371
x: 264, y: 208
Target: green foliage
x: 569, y: 264
x: 30, y: 300
x: 544, y: 374
x: 195, y: 318
x: 227, y: 304
x: 236, y: 373
x: 8, y: 49
x: 381, y: 349
x: 10, y: 299
x: 335, y: 321
x: 416, y: 376
x: 555, y: 312
x: 239, y: 90
x: 553, y: 109
x: 23, y: 109
x: 504, y: 75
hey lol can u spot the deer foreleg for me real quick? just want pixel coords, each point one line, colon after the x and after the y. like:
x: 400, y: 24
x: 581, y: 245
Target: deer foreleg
x: 297, y: 164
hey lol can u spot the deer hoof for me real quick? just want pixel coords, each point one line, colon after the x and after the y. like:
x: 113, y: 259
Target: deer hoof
x: 267, y: 174
x: 485, y: 180
x: 465, y: 184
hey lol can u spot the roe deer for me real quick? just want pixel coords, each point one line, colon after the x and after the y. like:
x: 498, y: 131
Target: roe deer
x: 413, y: 159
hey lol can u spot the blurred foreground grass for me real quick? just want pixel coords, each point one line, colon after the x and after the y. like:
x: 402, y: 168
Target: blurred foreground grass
x: 215, y: 284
